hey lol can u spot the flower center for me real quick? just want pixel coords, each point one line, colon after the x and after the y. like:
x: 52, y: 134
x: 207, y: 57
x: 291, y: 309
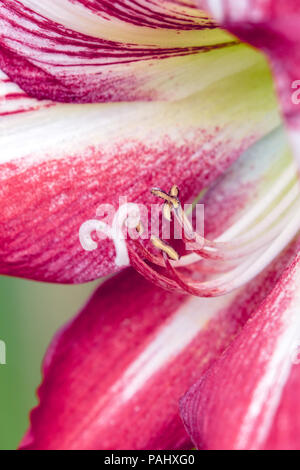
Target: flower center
x: 216, y: 267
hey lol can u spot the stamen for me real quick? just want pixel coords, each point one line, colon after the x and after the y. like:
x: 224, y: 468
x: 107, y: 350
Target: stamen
x: 164, y: 247
x: 140, y: 228
x: 246, y: 244
x: 227, y: 262
x: 243, y: 273
x: 146, y: 254
x: 166, y: 196
x: 174, y: 191
x: 167, y: 211
x: 171, y: 200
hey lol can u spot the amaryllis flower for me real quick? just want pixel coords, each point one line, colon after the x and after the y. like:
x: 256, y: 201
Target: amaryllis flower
x: 101, y: 102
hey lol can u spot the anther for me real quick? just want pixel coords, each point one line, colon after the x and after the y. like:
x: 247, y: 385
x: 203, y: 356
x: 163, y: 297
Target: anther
x: 166, y: 197
x: 174, y: 191
x: 167, y: 211
x: 140, y: 228
x: 231, y: 260
x: 161, y: 245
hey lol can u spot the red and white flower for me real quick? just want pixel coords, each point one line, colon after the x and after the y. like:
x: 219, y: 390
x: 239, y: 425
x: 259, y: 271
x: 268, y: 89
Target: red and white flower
x: 101, y: 100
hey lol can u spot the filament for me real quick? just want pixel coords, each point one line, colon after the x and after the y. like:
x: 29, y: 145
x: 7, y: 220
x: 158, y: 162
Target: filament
x: 235, y: 257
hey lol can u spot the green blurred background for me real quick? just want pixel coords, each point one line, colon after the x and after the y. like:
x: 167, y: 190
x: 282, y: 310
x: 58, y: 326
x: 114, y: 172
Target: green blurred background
x: 30, y: 314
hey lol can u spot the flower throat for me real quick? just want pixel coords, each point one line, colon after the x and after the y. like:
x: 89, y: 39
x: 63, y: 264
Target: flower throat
x: 217, y: 267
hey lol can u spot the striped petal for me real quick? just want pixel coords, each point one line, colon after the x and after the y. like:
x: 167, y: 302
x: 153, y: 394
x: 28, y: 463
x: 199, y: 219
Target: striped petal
x: 60, y: 162
x: 87, y: 51
x: 249, y: 399
x: 273, y: 27
x: 114, y: 375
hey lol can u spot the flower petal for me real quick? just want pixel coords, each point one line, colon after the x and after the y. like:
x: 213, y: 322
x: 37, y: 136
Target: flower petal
x: 273, y: 27
x: 245, y: 400
x: 114, y: 375
x: 59, y: 163
x: 86, y: 51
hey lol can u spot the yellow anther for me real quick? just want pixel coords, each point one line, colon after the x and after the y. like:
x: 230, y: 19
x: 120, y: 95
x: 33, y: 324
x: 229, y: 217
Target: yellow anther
x: 174, y: 191
x: 140, y: 228
x: 167, y: 211
x: 161, y: 245
x: 166, y: 197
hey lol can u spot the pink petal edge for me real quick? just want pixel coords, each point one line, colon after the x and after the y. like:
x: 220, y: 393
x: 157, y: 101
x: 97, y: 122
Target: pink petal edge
x: 249, y: 399
x: 273, y: 27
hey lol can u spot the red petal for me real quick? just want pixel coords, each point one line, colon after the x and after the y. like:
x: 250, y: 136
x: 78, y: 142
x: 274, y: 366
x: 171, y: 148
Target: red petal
x: 113, y: 377
x: 248, y: 399
x: 87, y: 51
x: 273, y: 27
x: 61, y: 162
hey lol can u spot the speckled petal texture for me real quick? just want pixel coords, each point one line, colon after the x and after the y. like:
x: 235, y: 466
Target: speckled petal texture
x: 113, y: 376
